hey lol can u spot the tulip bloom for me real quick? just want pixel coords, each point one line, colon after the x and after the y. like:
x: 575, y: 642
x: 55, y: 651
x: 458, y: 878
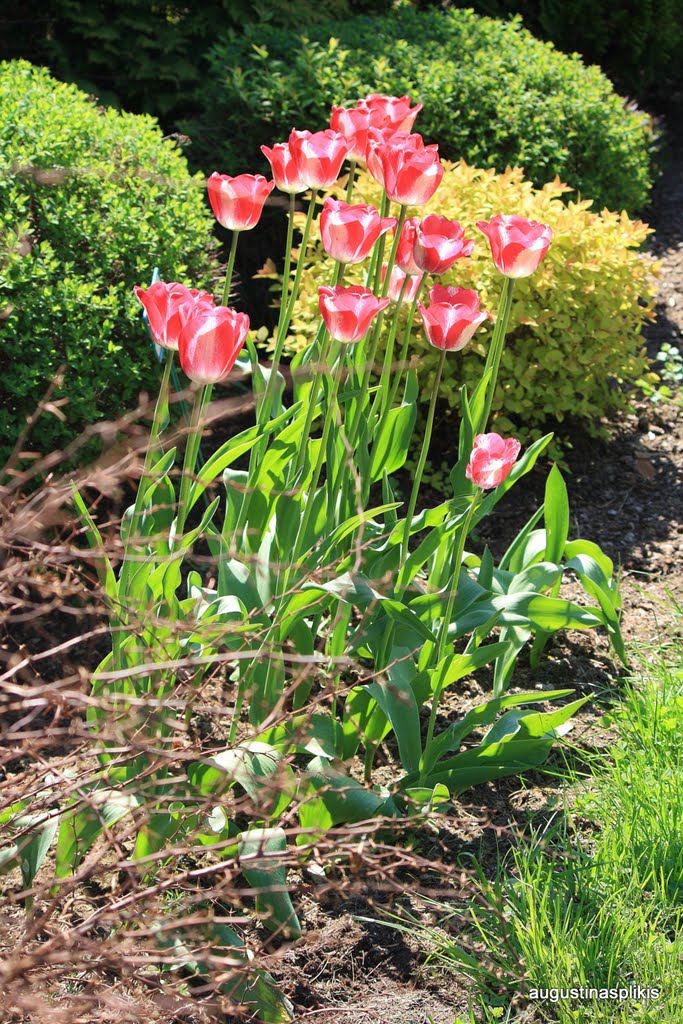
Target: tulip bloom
x: 517, y: 245
x: 396, y: 281
x: 169, y: 307
x: 393, y: 110
x: 210, y: 342
x: 286, y: 168
x: 319, y: 156
x: 354, y: 124
x: 439, y: 242
x: 492, y: 459
x: 409, y: 171
x: 452, y: 317
x: 237, y: 203
x: 348, y: 311
x: 349, y: 232
x: 405, y: 258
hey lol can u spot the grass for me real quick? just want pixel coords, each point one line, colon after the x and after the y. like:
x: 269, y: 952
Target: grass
x: 595, y: 898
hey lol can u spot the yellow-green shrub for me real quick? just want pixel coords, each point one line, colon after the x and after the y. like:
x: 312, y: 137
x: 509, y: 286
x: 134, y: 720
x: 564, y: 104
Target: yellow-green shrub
x: 574, y: 343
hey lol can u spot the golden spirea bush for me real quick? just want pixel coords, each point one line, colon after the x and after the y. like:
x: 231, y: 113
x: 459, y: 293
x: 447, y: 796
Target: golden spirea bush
x: 574, y: 345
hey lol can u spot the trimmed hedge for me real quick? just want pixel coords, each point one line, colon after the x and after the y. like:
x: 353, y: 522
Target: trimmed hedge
x: 493, y: 95
x: 574, y: 344
x: 91, y: 201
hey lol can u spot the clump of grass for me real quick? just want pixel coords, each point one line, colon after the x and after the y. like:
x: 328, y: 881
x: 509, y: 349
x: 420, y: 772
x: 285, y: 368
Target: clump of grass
x: 601, y: 909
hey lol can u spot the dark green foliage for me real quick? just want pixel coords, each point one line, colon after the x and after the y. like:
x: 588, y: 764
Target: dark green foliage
x: 90, y: 202
x: 638, y: 43
x: 492, y: 95
x: 145, y: 57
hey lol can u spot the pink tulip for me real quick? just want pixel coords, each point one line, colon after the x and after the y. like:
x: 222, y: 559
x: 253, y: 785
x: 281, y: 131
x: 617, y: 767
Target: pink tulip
x: 409, y: 171
x: 452, y: 317
x: 354, y: 123
x: 210, y: 342
x: 377, y: 137
x: 405, y: 258
x: 439, y: 242
x: 349, y: 232
x: 319, y: 156
x: 517, y: 245
x: 287, y: 170
x: 348, y: 312
x: 492, y: 459
x: 394, y: 110
x: 237, y: 203
x: 169, y: 307
x: 396, y: 281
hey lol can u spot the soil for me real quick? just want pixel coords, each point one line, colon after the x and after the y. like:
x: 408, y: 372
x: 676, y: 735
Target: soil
x: 626, y: 494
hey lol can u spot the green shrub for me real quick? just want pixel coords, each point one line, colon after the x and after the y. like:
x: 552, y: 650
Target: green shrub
x: 90, y: 202
x: 574, y: 341
x: 638, y: 43
x: 493, y: 95
x: 164, y: 42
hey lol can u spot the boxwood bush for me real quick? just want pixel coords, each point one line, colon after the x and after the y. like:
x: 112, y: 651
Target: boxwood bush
x: 91, y: 201
x: 493, y: 95
x: 574, y: 343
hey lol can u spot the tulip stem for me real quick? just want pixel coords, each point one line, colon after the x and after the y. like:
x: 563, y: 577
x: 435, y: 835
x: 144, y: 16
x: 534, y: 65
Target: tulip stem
x: 160, y: 414
x: 496, y: 349
x: 325, y: 343
x: 352, y: 180
x: 376, y: 331
x: 456, y: 564
x: 445, y: 625
x: 422, y: 461
x: 379, y: 405
x: 385, y: 649
x: 403, y: 358
x: 325, y: 348
x: 299, y: 265
x: 230, y: 268
x: 378, y: 251
x: 201, y: 400
x: 264, y: 408
x: 331, y: 416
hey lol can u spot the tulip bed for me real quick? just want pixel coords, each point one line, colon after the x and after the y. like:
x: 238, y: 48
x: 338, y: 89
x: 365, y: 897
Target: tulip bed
x: 341, y: 612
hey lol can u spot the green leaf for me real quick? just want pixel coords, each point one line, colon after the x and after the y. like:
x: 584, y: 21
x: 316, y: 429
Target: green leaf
x: 303, y: 734
x: 556, y: 505
x: 262, y: 773
x: 392, y: 444
x: 243, y: 985
x: 260, y: 857
x: 350, y: 526
x: 84, y: 821
x: 103, y: 566
x: 511, y: 559
x: 548, y: 613
x: 30, y: 849
x: 426, y: 548
x: 485, y: 714
x: 395, y: 696
x: 454, y: 667
x: 364, y: 721
x: 520, y: 740
x: 159, y: 830
x: 587, y: 547
x: 335, y: 798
